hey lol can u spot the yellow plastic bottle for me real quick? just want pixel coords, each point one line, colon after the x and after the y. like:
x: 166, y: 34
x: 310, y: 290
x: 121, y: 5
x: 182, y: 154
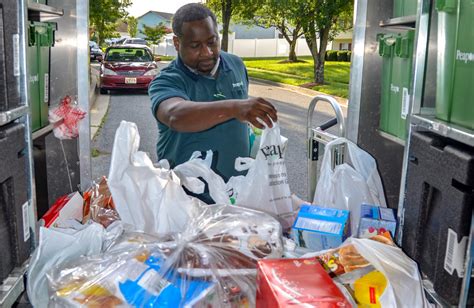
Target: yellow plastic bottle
x: 369, y: 288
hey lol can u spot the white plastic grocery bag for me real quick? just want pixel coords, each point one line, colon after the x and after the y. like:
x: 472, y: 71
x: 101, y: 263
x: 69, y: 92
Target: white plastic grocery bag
x: 350, y: 184
x: 150, y: 198
x: 404, y: 288
x: 57, y: 246
x: 265, y: 187
x: 404, y: 284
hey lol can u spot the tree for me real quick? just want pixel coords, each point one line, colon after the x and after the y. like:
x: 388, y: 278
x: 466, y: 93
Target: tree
x: 156, y: 33
x: 103, y: 16
x: 132, y: 24
x: 322, y: 20
x: 225, y: 9
x: 283, y: 15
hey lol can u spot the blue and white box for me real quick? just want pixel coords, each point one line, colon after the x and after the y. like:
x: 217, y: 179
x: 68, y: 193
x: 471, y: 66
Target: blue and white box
x: 375, y: 220
x: 320, y: 228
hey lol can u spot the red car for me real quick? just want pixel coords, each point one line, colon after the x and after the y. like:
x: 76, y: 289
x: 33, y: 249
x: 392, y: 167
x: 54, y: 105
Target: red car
x: 127, y: 67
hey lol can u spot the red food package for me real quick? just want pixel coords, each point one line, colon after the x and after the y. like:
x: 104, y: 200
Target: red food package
x: 296, y: 283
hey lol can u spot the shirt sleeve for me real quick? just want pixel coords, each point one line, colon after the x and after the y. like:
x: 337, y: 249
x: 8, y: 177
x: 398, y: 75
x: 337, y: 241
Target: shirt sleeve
x: 165, y: 86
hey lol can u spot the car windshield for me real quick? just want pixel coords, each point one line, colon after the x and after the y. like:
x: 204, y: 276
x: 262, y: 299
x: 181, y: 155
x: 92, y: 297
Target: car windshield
x: 128, y: 55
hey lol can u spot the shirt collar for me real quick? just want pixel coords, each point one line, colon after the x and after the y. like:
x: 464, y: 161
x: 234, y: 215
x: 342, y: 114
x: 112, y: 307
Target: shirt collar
x: 213, y: 72
x: 222, y: 63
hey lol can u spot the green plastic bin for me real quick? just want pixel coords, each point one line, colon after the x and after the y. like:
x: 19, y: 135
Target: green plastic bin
x: 397, y: 53
x: 40, y: 40
x: 404, y: 7
x: 455, y: 75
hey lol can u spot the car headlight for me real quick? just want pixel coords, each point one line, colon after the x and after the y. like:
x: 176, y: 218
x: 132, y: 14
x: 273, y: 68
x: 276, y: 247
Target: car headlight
x: 109, y: 72
x: 152, y: 72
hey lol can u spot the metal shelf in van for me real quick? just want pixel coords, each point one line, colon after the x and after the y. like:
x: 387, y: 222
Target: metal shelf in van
x: 13, y: 114
x: 455, y: 132
x: 405, y: 22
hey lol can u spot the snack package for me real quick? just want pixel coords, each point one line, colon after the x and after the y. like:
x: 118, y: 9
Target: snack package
x: 297, y: 283
x: 346, y: 258
x: 64, y: 209
x: 98, y: 204
x: 211, y: 264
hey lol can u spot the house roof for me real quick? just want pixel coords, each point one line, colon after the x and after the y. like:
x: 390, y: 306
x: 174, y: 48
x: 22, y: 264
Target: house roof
x: 166, y: 16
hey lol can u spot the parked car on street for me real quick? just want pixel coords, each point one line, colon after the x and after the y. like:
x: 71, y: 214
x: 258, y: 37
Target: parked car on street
x: 127, y: 67
x: 135, y: 40
x: 95, y: 51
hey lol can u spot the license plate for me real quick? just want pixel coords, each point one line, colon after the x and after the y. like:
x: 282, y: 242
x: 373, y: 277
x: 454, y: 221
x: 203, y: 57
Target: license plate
x: 130, y: 80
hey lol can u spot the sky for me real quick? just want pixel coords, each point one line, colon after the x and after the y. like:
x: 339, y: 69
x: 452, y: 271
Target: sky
x: 140, y: 7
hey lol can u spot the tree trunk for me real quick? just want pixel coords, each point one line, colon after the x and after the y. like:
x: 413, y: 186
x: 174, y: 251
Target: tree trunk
x: 292, y: 56
x: 226, y: 15
x: 319, y: 64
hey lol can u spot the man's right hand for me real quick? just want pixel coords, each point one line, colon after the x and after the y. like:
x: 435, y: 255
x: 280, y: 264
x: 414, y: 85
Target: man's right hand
x: 251, y: 109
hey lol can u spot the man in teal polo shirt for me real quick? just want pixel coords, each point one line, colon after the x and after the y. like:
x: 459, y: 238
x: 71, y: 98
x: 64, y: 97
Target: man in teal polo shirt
x: 201, y: 99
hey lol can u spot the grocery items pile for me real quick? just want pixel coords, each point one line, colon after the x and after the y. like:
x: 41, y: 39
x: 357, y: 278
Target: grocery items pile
x: 138, y: 240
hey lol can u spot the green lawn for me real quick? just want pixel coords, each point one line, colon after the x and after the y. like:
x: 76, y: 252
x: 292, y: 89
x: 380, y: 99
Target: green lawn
x: 336, y: 74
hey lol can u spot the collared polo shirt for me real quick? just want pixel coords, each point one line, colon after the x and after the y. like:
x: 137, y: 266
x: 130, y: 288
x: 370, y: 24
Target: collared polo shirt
x: 227, y: 140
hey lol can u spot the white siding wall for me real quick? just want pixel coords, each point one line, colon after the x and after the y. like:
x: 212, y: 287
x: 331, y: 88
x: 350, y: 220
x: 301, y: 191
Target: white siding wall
x: 247, y: 47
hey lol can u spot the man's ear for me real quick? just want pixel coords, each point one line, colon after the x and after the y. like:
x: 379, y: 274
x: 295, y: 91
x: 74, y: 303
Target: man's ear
x: 176, y: 43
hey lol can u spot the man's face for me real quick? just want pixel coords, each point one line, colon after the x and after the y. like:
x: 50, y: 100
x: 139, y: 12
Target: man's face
x: 199, y: 45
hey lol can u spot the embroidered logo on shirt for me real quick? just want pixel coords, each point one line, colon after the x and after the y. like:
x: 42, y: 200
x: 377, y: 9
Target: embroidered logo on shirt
x: 238, y: 84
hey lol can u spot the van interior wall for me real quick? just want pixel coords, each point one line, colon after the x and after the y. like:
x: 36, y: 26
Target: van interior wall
x: 388, y: 153
x: 56, y: 171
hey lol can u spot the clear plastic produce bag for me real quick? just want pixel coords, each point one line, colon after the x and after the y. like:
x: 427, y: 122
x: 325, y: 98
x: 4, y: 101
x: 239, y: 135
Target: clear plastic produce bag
x: 211, y: 264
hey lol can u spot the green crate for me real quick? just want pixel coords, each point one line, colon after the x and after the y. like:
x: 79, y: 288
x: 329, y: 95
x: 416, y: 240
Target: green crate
x: 40, y: 40
x: 404, y: 7
x: 455, y: 75
x: 397, y: 53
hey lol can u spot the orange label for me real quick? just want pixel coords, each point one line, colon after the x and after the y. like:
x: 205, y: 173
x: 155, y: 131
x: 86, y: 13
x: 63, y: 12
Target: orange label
x: 373, y: 299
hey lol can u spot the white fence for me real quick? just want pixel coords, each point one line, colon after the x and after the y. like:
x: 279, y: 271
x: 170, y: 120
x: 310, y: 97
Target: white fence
x: 247, y: 47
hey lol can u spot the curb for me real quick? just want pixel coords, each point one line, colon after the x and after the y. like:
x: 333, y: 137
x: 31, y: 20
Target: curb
x: 99, y: 105
x: 342, y: 101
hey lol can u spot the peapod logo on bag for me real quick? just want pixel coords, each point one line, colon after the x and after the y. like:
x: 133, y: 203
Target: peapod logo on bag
x: 272, y: 152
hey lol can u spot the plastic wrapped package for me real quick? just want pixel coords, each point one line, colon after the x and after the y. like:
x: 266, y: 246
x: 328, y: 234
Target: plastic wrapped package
x: 98, y: 204
x: 211, y: 264
x: 65, y: 118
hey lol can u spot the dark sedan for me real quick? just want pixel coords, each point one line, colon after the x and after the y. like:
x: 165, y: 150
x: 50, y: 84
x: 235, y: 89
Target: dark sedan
x: 127, y: 67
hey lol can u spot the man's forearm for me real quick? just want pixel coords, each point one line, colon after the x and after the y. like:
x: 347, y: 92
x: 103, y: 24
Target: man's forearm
x: 188, y: 116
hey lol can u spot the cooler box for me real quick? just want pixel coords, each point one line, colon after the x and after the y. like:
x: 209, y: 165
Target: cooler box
x: 397, y: 53
x: 404, y: 7
x: 437, y: 212
x: 15, y: 239
x: 9, y: 55
x: 455, y: 75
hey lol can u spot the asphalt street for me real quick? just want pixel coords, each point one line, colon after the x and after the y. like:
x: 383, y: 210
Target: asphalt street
x: 292, y: 109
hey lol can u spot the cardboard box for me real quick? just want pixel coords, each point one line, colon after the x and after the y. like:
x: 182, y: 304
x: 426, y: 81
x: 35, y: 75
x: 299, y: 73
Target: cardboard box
x: 296, y: 283
x: 66, y: 208
x: 319, y: 228
x: 376, y: 220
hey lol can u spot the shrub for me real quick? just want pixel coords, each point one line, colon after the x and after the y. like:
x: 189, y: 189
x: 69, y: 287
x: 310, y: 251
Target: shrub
x: 342, y: 56
x: 349, y: 54
x: 331, y: 55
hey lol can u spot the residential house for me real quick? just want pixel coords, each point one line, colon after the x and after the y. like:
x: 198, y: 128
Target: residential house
x: 343, y: 41
x: 153, y: 18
